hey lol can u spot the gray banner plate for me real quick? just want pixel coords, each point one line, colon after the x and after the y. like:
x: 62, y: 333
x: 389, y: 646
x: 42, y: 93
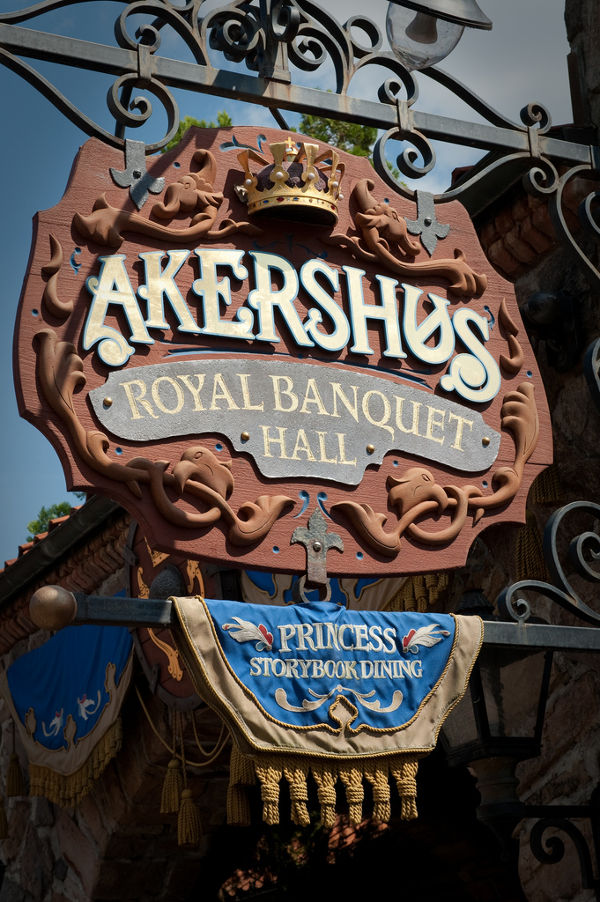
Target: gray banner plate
x: 294, y: 419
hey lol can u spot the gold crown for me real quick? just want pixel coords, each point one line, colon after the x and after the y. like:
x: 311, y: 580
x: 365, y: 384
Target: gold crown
x: 300, y: 183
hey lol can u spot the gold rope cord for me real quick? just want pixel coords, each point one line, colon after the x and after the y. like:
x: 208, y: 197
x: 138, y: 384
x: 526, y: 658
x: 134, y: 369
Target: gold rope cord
x: 68, y: 790
x: 269, y: 769
x: 219, y: 745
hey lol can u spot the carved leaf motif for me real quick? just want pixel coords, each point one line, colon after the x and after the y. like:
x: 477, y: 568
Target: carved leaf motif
x: 192, y: 194
x: 50, y: 271
x: 416, y: 494
x: 513, y: 363
x: 199, y: 473
x: 384, y: 238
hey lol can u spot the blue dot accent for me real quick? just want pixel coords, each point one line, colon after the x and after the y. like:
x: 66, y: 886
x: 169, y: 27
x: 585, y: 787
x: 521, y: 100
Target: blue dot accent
x: 529, y: 374
x: 359, y: 555
x: 35, y: 312
x: 485, y: 483
x: 176, y: 165
x: 219, y: 446
x: 275, y: 549
x: 396, y: 463
x: 118, y: 450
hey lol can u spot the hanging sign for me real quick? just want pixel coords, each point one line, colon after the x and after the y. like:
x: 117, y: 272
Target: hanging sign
x: 258, y: 330
x: 348, y: 695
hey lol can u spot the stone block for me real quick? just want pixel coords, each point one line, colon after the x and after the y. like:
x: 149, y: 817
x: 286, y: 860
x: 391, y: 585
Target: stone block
x: 78, y: 851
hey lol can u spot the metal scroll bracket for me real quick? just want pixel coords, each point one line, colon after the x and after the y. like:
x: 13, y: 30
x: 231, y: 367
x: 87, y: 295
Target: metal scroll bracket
x: 134, y: 176
x: 317, y: 541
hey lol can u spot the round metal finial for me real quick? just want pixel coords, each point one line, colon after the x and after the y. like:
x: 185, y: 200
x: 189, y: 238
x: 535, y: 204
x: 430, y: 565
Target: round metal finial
x: 463, y: 12
x: 52, y: 607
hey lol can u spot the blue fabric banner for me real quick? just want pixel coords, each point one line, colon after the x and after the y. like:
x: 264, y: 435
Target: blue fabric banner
x: 60, y: 690
x: 297, y: 660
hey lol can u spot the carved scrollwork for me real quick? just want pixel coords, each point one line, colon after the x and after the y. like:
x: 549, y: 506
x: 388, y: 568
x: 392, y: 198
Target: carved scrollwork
x: 50, y: 299
x: 416, y: 494
x: 193, y: 194
x: 383, y: 238
x: 198, y: 477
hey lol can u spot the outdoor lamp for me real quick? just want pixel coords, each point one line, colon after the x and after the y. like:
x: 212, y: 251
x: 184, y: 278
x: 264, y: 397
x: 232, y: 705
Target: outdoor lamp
x: 498, y: 722
x: 502, y: 712
x: 422, y: 34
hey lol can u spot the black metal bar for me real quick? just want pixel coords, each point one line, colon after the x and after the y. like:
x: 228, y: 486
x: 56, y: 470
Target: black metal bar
x: 541, y: 635
x: 254, y: 89
x: 134, y: 612
x: 154, y: 612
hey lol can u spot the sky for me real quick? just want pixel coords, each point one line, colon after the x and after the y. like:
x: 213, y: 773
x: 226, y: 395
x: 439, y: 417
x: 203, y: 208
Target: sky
x: 522, y: 59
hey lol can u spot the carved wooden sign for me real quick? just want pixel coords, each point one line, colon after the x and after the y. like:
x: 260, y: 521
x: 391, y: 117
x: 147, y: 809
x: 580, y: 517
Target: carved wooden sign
x: 275, y: 334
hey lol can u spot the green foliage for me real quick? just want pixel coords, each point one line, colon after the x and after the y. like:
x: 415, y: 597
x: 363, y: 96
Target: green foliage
x: 348, y: 136
x: 223, y: 121
x: 40, y: 524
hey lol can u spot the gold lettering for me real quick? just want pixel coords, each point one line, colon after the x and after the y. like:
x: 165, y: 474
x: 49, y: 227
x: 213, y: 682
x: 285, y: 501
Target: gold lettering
x: 302, y: 445
x: 382, y: 422
x: 461, y: 422
x: 339, y: 393
x: 222, y: 394
x: 435, y: 420
x: 268, y: 440
x: 414, y: 429
x: 278, y: 392
x: 312, y: 396
x: 324, y: 459
x: 195, y: 389
x: 341, y: 437
x: 179, y: 396
x: 139, y: 399
x: 243, y: 377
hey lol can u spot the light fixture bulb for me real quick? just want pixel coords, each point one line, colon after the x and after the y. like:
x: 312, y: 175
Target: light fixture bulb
x: 418, y: 39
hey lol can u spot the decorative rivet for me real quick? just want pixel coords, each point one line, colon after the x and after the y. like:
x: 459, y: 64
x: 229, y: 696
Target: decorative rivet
x: 245, y: 436
x: 427, y: 221
x: 317, y: 546
x: 370, y: 449
x: 485, y: 441
x: 108, y: 402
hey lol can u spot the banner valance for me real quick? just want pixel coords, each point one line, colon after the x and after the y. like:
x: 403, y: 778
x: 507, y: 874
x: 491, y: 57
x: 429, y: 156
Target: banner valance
x: 65, y: 698
x: 346, y: 695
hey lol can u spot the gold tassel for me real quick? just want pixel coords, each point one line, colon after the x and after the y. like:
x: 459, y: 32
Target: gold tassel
x: 3, y: 820
x: 241, y: 775
x: 189, y: 829
x: 325, y: 776
x: 296, y: 773
x: 404, y: 770
x: 171, y: 790
x: 68, y: 790
x: 546, y: 487
x: 351, y: 777
x: 378, y: 778
x: 15, y: 781
x: 268, y: 772
x: 529, y: 554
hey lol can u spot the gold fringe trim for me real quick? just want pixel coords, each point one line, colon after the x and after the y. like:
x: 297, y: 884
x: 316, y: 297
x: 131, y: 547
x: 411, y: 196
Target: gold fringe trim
x: 171, y: 789
x: 189, y: 829
x: 15, y: 781
x: 68, y: 790
x: 529, y: 554
x: 419, y: 593
x: 270, y: 769
x: 3, y: 820
x: 546, y: 488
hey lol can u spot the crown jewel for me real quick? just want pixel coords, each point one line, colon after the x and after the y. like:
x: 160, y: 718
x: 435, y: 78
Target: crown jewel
x: 300, y: 183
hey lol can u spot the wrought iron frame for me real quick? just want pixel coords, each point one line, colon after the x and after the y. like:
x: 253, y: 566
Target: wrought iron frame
x: 268, y: 37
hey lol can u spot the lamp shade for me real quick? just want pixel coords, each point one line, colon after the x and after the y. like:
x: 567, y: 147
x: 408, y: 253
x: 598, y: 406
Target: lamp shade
x: 462, y: 12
